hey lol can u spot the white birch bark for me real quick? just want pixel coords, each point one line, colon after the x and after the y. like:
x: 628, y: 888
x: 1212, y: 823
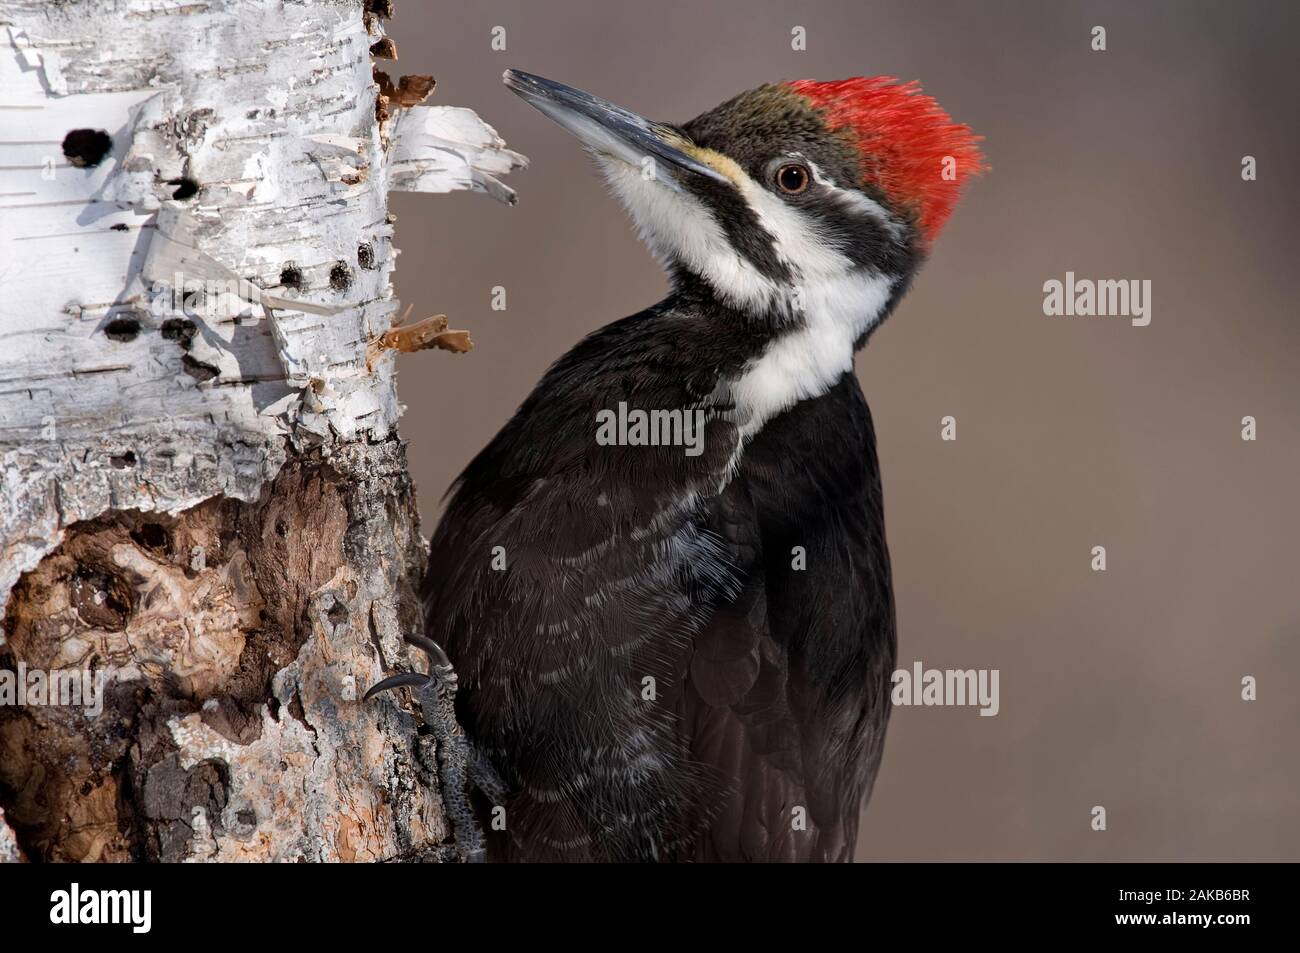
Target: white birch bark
x: 210, y: 505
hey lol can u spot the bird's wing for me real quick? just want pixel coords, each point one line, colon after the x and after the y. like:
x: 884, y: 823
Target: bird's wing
x: 787, y: 689
x: 568, y: 597
x: 565, y: 658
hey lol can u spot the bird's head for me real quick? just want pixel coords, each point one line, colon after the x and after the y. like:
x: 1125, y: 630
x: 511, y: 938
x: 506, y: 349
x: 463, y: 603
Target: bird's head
x: 789, y: 196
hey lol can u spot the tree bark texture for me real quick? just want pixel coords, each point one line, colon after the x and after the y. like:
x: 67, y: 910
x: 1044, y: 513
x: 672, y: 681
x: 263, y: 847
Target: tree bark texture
x: 202, y: 491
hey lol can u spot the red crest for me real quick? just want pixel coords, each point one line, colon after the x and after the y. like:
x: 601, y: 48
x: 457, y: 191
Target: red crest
x: 910, y: 146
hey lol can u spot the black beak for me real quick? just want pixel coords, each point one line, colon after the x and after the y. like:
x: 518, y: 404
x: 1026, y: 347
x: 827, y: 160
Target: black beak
x: 605, y: 128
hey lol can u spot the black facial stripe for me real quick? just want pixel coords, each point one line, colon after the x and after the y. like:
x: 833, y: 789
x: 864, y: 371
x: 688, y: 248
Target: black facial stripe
x: 763, y: 128
x: 855, y: 232
x: 743, y: 229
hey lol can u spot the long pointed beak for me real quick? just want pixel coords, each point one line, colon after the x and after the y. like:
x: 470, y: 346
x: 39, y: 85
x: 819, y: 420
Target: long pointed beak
x: 605, y: 128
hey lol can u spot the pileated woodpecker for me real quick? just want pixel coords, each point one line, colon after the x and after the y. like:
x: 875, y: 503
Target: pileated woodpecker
x: 677, y: 645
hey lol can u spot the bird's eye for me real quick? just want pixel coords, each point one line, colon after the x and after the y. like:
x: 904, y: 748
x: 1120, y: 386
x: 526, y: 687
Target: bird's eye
x: 792, y: 179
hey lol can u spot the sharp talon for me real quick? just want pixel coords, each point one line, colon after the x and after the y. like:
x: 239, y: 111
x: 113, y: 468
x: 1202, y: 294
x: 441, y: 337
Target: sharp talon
x: 454, y: 753
x: 406, y: 679
x: 431, y: 649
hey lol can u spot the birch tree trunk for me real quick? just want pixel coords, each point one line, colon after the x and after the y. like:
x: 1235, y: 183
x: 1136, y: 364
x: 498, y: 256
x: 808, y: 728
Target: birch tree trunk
x: 204, y: 497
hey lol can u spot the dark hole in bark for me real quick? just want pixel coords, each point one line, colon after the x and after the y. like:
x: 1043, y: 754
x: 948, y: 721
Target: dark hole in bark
x: 340, y: 276
x: 123, y: 460
x: 291, y: 277
x: 296, y: 709
x: 86, y: 148
x: 186, y: 188
x: 366, y: 255
x: 281, y: 529
x: 152, y: 536
x: 198, y: 370
x: 337, y: 614
x: 102, y: 600
x: 179, y: 330
x: 122, y: 329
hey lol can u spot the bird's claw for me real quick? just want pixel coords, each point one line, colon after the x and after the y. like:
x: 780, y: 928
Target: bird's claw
x: 437, y: 657
x: 457, y: 762
x: 441, y: 673
x: 405, y: 680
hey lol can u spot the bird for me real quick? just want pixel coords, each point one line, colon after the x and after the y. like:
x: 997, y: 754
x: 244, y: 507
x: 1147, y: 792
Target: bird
x: 659, y: 601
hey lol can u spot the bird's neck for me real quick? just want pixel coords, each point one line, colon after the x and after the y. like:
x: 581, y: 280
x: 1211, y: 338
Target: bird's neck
x: 801, y: 339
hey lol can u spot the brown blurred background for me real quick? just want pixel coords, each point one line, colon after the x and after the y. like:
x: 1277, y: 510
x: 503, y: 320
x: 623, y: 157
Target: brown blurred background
x: 1120, y: 688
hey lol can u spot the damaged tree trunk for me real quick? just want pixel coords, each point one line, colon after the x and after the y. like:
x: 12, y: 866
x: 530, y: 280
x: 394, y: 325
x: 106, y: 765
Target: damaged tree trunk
x: 205, y: 509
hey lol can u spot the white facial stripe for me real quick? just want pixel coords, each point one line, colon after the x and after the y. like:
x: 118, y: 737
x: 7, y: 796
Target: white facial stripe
x: 677, y: 225
x: 808, y: 361
x: 797, y: 240
x: 852, y: 198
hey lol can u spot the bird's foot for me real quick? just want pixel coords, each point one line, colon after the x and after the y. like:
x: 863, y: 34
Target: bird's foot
x: 459, y: 765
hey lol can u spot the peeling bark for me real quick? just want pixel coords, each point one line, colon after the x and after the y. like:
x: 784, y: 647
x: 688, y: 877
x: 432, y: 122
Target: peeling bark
x: 202, y: 493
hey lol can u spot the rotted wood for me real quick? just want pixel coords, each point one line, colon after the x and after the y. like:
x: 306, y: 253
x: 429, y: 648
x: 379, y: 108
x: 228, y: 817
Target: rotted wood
x: 239, y: 638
